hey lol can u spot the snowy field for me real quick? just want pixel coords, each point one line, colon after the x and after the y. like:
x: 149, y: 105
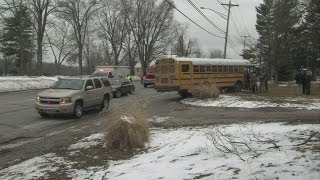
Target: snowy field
x: 257, y: 102
x: 17, y: 83
x: 264, y: 151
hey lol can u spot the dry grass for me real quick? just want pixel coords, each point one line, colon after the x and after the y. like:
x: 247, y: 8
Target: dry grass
x: 129, y: 129
x: 205, y: 91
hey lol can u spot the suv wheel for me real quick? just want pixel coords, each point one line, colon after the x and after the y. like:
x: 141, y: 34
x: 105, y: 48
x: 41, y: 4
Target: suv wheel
x: 43, y: 115
x: 77, y: 112
x: 118, y: 94
x: 105, y: 103
x: 145, y: 85
x: 131, y: 90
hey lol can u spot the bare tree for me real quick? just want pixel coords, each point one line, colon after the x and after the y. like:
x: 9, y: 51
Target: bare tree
x: 215, y: 53
x: 78, y: 13
x: 60, y: 42
x: 114, y: 28
x: 40, y: 10
x: 185, y: 46
x: 152, y: 26
x: 130, y: 50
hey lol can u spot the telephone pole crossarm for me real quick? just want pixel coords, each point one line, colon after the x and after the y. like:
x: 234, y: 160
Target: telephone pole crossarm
x: 244, y: 41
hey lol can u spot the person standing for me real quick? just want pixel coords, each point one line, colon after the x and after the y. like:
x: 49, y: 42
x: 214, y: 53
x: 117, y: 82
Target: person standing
x: 307, y: 80
x: 266, y: 82
x: 262, y: 84
x: 258, y: 88
x: 304, y: 74
x: 253, y: 83
x: 299, y: 81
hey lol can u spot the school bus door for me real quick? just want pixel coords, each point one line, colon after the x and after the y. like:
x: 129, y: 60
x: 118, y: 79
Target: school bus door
x: 185, y: 71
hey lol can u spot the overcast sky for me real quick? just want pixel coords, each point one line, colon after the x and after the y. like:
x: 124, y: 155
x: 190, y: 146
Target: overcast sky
x: 242, y: 22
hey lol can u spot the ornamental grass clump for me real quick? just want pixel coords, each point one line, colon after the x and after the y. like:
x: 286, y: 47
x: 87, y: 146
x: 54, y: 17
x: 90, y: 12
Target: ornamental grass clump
x: 205, y: 91
x: 128, y: 130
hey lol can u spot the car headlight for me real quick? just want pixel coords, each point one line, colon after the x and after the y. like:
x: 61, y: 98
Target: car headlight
x: 65, y: 100
x: 38, y: 99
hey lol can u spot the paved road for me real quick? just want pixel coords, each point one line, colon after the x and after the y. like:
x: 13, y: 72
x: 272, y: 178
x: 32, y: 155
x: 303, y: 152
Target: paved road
x: 24, y: 134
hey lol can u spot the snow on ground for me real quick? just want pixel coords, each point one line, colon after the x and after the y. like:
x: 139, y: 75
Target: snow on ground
x: 238, y: 102
x: 188, y: 153
x: 87, y: 142
x: 16, y: 83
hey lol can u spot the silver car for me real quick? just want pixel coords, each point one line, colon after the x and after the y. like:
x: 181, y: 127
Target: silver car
x: 73, y: 95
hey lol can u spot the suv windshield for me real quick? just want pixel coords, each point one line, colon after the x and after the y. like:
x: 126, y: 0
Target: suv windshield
x: 75, y: 84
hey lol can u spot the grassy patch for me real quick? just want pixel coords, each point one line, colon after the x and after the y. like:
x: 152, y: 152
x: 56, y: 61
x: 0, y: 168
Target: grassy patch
x: 127, y: 129
x: 289, y: 89
x: 205, y: 91
x: 96, y: 156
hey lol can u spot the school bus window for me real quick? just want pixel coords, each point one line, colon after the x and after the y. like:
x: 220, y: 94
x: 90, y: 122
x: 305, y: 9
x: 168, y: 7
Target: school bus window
x: 214, y: 68
x: 219, y: 68
x: 241, y: 69
x: 208, y: 68
x: 202, y: 69
x: 171, y: 69
x: 164, y: 69
x: 230, y: 68
x: 195, y: 68
x: 185, y: 68
x: 236, y: 69
x: 225, y: 69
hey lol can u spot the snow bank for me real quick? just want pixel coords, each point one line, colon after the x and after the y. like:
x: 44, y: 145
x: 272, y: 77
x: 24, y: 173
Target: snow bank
x: 16, y: 83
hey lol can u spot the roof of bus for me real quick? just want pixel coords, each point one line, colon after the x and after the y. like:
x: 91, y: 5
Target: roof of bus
x: 213, y: 61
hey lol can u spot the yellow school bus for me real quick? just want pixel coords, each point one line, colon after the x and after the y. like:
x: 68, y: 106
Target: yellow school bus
x: 182, y: 74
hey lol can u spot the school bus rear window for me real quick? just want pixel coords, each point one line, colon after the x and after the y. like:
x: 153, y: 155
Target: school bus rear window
x: 164, y: 69
x: 171, y: 69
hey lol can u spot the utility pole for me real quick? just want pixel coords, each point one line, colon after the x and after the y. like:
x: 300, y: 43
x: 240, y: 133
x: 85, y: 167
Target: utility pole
x: 244, y: 44
x: 226, y: 38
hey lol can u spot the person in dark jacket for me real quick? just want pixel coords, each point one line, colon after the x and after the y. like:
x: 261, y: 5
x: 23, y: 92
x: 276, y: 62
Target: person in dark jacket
x: 299, y: 81
x: 253, y: 83
x: 307, y: 80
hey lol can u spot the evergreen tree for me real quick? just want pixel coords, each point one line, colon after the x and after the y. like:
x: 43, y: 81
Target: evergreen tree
x: 16, y: 39
x: 312, y: 35
x: 277, y: 23
x: 286, y: 18
x: 264, y: 26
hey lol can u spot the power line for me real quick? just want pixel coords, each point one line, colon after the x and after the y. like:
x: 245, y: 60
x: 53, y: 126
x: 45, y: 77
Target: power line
x: 226, y: 38
x: 235, y: 25
x: 218, y: 13
x: 192, y: 20
x: 222, y: 5
x: 244, y: 23
x: 196, y: 8
x: 233, y: 44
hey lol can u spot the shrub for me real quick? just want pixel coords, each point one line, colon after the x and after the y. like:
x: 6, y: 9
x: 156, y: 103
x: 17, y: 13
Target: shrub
x: 127, y: 130
x: 205, y: 91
